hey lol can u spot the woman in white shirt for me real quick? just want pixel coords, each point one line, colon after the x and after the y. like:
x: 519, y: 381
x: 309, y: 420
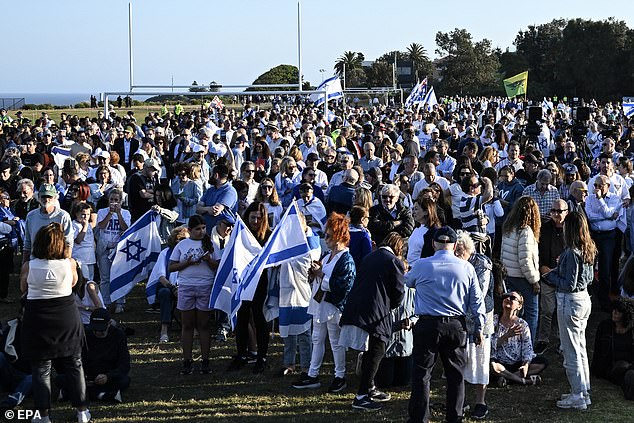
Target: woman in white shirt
x: 52, y: 328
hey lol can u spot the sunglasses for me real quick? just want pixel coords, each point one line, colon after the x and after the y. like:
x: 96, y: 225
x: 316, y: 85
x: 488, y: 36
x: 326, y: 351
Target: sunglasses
x: 513, y: 298
x: 558, y: 211
x: 387, y: 197
x: 249, y: 170
x: 476, y: 185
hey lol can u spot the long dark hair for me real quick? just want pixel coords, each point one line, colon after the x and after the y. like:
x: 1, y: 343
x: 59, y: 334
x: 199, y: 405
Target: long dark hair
x: 262, y: 232
x: 577, y: 236
x: 197, y: 220
x: 164, y: 197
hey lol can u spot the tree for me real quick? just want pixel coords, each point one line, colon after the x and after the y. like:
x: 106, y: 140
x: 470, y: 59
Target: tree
x: 348, y: 61
x: 356, y: 78
x: 197, y: 89
x: 281, y: 74
x: 467, y: 67
x: 390, y: 55
x: 379, y: 74
x: 418, y: 55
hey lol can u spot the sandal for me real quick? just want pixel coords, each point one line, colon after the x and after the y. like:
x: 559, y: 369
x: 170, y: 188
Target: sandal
x: 533, y: 380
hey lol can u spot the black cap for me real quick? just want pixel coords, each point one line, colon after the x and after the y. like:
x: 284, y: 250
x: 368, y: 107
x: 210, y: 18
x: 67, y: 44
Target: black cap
x: 445, y: 235
x: 99, y: 320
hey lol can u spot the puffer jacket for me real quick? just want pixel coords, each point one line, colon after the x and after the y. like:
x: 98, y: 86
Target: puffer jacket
x: 520, y: 255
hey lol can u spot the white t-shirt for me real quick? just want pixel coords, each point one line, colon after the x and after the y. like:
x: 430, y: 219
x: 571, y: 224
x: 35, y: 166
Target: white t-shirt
x: 84, y: 252
x: 199, y: 274
x: 110, y: 234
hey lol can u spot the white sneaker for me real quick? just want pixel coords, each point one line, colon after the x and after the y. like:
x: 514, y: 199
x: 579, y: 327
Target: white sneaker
x: 117, y: 397
x: 164, y: 338
x: 572, y: 401
x: 83, y: 416
x: 586, y: 398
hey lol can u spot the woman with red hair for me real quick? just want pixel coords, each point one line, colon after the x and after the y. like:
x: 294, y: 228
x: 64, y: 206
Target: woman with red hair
x: 332, y: 280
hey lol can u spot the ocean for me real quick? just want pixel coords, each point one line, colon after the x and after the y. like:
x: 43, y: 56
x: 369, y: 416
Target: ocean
x: 56, y: 99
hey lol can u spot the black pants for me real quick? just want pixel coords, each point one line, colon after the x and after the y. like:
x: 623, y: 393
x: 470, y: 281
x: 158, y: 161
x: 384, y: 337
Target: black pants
x: 608, y: 255
x: 6, y: 264
x: 114, y: 384
x: 370, y: 364
x: 447, y: 338
x: 254, y: 308
x: 394, y: 371
x: 42, y: 381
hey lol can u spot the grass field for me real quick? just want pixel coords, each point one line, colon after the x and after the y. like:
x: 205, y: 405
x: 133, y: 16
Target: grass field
x: 159, y: 394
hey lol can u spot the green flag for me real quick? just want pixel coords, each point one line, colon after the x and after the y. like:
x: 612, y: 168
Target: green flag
x: 516, y: 85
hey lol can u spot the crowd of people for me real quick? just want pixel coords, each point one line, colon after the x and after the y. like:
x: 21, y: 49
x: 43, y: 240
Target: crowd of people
x: 463, y: 231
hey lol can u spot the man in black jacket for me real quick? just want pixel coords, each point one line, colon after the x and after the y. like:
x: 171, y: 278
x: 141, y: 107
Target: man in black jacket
x: 126, y: 147
x: 105, y: 359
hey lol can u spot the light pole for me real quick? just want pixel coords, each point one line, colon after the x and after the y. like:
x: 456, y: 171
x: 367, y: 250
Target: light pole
x: 321, y: 71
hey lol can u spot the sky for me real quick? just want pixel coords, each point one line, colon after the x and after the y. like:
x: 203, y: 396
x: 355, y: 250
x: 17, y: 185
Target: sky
x: 81, y: 46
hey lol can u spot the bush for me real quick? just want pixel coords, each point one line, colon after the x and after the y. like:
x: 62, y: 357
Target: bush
x: 82, y: 105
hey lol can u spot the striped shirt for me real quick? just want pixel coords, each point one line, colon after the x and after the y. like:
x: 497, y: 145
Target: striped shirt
x: 471, y: 213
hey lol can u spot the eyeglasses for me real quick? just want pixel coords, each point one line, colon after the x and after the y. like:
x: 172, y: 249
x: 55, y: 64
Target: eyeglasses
x: 598, y: 185
x: 513, y: 298
x: 388, y: 197
x: 558, y: 211
x: 5, y: 197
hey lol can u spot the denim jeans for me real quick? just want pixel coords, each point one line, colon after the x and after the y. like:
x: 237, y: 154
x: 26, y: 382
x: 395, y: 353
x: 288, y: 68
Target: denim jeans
x: 291, y: 343
x: 531, y: 302
x: 166, y: 302
x: 573, y: 311
x: 105, y: 264
x: 41, y: 370
x: 12, y: 379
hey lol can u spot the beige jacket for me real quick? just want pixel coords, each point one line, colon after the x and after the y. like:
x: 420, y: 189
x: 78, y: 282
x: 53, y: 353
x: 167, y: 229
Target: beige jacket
x: 520, y: 255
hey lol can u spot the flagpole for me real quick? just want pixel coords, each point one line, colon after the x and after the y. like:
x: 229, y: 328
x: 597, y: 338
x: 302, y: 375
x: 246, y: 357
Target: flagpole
x: 299, y: 42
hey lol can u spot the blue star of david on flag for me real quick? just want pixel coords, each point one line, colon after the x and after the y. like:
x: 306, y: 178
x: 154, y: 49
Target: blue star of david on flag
x: 128, y: 252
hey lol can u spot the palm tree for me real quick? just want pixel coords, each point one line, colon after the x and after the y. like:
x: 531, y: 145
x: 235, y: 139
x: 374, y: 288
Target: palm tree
x: 348, y: 61
x: 418, y: 55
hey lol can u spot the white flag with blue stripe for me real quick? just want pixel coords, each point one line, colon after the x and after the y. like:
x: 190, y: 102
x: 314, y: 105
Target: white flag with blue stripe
x: 628, y: 107
x: 430, y: 99
x: 60, y: 154
x: 135, y: 255
x: 333, y: 88
x: 287, y: 242
x: 241, y: 250
x: 417, y: 95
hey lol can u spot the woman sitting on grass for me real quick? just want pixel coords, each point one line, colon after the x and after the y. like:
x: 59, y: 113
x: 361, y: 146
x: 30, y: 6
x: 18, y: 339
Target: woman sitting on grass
x: 512, y: 356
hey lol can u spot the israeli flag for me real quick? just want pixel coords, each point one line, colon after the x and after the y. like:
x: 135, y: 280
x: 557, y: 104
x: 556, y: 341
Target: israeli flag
x: 417, y: 95
x: 60, y: 154
x: 241, y: 250
x: 136, y: 253
x: 236, y: 281
x: 333, y: 88
x: 161, y: 268
x: 430, y: 99
x: 628, y: 108
x: 331, y: 115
